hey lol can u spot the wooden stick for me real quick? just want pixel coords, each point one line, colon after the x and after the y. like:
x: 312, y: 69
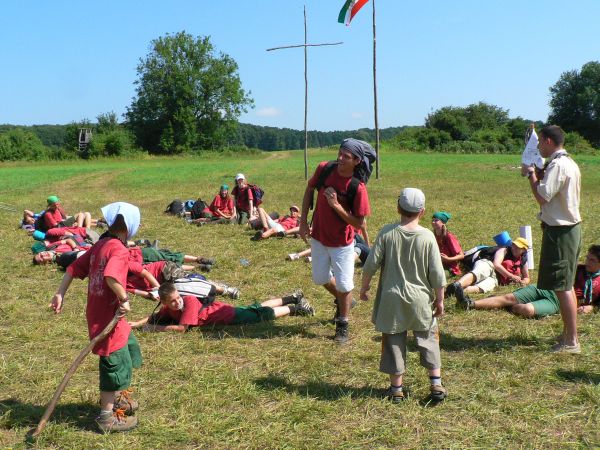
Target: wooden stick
x: 61, y: 387
x: 304, y: 45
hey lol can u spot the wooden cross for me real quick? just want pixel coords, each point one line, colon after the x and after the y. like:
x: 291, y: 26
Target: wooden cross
x: 305, y: 46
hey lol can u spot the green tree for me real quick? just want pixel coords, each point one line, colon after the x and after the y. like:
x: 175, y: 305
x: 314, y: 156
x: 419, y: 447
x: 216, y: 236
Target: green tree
x: 187, y: 96
x: 575, y: 102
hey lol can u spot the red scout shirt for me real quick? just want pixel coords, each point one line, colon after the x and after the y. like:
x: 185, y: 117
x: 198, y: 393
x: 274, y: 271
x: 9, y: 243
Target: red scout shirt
x: 288, y: 222
x: 53, y: 218
x: 107, y: 258
x: 449, y: 246
x: 215, y: 314
x: 329, y: 228
x: 242, y: 198
x: 224, y: 205
x: 135, y: 279
x: 580, y: 285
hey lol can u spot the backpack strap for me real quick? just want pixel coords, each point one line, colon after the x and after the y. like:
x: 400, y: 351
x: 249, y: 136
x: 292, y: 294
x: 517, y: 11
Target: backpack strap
x: 325, y: 172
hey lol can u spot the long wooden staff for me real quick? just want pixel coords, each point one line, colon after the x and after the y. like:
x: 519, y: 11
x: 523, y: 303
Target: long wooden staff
x: 61, y: 387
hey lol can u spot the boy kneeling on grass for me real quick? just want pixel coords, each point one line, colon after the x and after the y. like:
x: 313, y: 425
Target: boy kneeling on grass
x: 179, y: 313
x: 411, y: 273
x: 106, y: 264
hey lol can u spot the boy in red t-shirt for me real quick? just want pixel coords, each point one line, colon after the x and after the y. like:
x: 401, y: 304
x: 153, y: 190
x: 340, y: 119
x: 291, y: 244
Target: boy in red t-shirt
x: 106, y: 264
x: 286, y: 225
x: 244, y: 200
x: 179, y: 313
x: 334, y: 222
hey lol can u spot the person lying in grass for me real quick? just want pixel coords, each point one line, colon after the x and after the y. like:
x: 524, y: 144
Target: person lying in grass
x: 144, y: 279
x: 180, y: 313
x: 282, y: 227
x: 494, y: 266
x: 533, y: 302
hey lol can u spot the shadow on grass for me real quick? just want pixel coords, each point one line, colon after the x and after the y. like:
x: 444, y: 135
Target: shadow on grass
x: 452, y: 343
x: 257, y: 331
x: 17, y: 414
x: 319, y: 389
x: 578, y: 376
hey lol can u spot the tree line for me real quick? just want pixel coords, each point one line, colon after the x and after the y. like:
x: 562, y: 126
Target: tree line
x: 189, y: 96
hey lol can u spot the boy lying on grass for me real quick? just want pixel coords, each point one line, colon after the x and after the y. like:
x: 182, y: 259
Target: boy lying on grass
x: 282, y: 227
x: 533, y: 302
x: 179, y: 313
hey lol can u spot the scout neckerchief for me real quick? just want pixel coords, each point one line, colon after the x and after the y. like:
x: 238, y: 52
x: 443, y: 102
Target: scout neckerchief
x: 589, y: 286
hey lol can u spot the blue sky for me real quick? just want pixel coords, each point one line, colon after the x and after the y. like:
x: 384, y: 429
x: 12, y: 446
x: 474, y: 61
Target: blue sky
x: 65, y: 61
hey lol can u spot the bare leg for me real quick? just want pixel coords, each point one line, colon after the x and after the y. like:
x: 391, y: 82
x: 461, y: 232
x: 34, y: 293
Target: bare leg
x: 568, y: 312
x: 472, y: 290
x: 187, y: 267
x: 189, y: 258
x: 396, y: 380
x: 281, y: 311
x: 496, y: 302
x: 268, y: 233
x: 263, y: 218
x: 79, y: 218
x: 87, y: 219
x: 467, y: 280
x: 523, y: 310
x: 272, y: 303
x: 107, y: 400
x: 304, y: 253
x: 331, y: 288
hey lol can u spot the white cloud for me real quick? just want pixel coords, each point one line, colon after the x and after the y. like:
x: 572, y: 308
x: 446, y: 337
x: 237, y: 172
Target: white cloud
x: 356, y: 115
x: 269, y: 111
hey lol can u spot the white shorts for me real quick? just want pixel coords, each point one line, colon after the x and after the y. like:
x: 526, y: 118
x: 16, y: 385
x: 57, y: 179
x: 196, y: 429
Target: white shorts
x: 333, y: 262
x: 274, y: 225
x: 485, y: 275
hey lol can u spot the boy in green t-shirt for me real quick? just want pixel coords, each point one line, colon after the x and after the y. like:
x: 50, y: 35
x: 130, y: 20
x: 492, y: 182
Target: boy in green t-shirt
x: 410, y: 294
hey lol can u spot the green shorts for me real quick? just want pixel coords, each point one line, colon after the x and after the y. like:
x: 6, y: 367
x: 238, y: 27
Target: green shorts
x: 116, y: 368
x: 151, y: 255
x: 558, y: 257
x: 252, y: 314
x: 544, y: 302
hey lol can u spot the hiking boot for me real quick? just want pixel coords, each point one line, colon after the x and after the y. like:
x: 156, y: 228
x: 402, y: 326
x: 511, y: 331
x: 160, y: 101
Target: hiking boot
x: 125, y: 402
x: 462, y: 300
x: 396, y: 397
x: 353, y: 304
x: 341, y: 332
x: 257, y: 236
x: 561, y: 347
x: 303, y: 308
x: 205, y: 267
x: 117, y: 422
x: 231, y: 292
x: 467, y: 303
x: 280, y: 234
x: 450, y: 290
x: 293, y: 257
x: 207, y: 261
x: 437, y: 393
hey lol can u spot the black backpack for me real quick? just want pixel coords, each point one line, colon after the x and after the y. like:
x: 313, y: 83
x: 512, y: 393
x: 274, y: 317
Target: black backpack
x: 257, y: 193
x: 197, y: 209
x: 176, y: 208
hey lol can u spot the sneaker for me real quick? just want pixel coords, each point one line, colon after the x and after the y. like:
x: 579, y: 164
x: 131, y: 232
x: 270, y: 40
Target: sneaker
x: 205, y: 267
x: 450, y: 290
x: 462, y: 300
x: 437, y: 393
x: 293, y: 257
x: 294, y: 297
x: 231, y: 292
x: 125, y: 402
x: 561, y: 347
x: 341, y: 332
x: 396, y: 397
x: 117, y: 422
x: 208, y: 261
x: 467, y: 303
x: 257, y: 236
x: 309, y: 259
x: 281, y: 234
x: 303, y: 308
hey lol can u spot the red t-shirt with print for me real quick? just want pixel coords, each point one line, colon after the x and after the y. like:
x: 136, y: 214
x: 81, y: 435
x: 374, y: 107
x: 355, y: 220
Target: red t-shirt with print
x: 217, y: 313
x: 136, y: 281
x: 449, y: 246
x: 329, y: 228
x: 107, y: 258
x: 224, y: 205
x: 243, y: 197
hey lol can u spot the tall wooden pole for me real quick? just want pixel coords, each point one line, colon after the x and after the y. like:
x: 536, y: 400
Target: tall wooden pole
x: 305, y: 99
x: 375, y: 94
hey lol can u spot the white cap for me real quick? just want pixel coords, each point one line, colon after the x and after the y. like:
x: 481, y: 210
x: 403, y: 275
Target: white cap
x: 240, y: 176
x: 411, y: 200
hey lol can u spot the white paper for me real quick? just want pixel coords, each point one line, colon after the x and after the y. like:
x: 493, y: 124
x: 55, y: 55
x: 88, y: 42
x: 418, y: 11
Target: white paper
x: 525, y: 232
x: 531, y: 154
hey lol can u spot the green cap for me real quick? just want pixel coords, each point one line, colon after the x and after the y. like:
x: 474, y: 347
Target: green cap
x: 442, y: 215
x: 38, y: 247
x: 224, y: 187
x: 53, y: 199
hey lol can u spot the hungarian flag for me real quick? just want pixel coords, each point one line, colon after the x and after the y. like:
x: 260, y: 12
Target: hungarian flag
x: 349, y: 10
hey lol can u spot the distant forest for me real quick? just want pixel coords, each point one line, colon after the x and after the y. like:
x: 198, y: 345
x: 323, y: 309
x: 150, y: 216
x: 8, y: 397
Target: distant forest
x: 246, y: 135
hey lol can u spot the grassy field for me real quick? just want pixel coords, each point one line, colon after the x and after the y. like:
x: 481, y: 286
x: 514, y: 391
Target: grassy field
x: 286, y: 384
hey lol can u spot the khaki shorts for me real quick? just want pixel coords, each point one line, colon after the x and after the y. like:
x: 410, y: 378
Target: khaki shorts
x: 485, y: 275
x: 393, y: 351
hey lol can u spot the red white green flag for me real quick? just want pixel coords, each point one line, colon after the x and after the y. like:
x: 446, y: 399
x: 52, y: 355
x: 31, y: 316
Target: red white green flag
x: 349, y: 10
